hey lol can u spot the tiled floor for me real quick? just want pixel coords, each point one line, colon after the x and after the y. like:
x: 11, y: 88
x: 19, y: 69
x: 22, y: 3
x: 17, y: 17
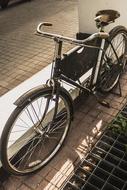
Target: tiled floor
x: 22, y: 53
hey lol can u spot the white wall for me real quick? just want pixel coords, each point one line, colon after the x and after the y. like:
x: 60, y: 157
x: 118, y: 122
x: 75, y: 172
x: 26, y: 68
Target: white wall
x: 88, y: 9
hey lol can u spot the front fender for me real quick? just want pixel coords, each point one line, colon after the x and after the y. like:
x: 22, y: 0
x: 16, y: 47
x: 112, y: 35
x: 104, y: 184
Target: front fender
x: 29, y: 95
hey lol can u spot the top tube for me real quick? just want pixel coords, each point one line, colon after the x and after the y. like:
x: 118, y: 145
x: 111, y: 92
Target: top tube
x: 102, y: 35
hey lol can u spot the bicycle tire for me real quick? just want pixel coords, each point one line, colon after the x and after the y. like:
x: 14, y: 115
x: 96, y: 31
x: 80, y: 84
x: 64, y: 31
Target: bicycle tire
x: 26, y: 159
x: 110, y: 70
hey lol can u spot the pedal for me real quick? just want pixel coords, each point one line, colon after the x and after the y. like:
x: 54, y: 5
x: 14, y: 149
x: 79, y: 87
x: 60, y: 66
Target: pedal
x: 101, y: 101
x: 104, y: 103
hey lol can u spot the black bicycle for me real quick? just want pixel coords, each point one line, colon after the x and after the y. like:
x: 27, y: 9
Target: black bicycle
x: 38, y: 126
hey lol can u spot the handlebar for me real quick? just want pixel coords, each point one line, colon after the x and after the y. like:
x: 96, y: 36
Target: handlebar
x: 40, y: 32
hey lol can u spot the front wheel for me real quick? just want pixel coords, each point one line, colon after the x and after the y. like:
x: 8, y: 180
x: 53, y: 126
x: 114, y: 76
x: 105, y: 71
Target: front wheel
x: 111, y: 68
x: 35, y: 132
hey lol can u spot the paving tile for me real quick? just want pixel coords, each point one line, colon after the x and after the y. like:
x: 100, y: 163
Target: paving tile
x: 1, y: 186
x: 19, y: 44
x: 94, y: 112
x: 12, y: 183
x: 51, y: 175
x: 43, y: 185
x: 33, y: 181
x: 23, y: 187
x: 60, y: 180
x: 45, y: 171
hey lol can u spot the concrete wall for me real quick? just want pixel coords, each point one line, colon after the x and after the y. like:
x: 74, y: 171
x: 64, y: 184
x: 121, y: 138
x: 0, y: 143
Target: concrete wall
x: 88, y: 9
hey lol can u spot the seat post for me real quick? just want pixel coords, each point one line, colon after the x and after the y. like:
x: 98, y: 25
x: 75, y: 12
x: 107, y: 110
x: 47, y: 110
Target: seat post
x: 101, y: 28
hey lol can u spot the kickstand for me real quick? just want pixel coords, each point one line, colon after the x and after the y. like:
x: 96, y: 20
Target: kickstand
x: 120, y: 90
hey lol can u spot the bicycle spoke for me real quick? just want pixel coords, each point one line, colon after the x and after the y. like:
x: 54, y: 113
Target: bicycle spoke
x: 31, y: 147
x: 39, y: 107
x: 34, y: 113
x: 53, y: 138
x: 24, y: 122
x: 33, y: 150
x: 57, y: 126
x: 120, y: 44
x: 30, y: 116
x: 42, y: 145
x: 21, y: 141
x: 19, y: 150
x: 21, y: 126
x: 109, y: 78
x: 18, y: 131
x: 46, y: 108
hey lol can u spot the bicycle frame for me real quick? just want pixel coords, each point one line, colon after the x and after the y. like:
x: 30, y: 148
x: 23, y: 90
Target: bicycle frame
x: 57, y: 76
x: 56, y: 73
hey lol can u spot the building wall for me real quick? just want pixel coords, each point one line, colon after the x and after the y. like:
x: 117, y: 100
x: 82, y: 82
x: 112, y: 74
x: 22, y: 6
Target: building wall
x: 88, y: 9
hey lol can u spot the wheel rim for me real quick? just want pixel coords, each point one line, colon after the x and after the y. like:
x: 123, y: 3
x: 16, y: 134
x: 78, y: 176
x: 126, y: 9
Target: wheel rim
x: 111, y: 70
x: 31, y: 143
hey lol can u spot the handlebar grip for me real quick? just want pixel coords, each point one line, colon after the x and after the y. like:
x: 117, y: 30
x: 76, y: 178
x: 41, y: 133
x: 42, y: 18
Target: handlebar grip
x: 40, y: 27
x: 47, y: 24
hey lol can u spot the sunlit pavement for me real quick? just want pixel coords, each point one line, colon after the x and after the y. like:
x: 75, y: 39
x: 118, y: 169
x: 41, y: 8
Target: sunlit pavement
x: 24, y: 54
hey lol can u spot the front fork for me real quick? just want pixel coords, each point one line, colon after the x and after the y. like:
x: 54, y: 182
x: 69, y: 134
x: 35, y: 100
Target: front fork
x: 55, y: 84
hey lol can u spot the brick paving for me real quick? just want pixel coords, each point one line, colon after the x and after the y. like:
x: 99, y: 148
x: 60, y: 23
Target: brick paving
x: 23, y: 54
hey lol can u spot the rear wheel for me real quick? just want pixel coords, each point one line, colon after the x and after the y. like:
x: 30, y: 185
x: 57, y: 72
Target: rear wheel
x: 111, y: 68
x: 35, y: 132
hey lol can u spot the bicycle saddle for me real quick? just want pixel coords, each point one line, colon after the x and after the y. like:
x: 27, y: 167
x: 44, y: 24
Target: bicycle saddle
x: 105, y: 17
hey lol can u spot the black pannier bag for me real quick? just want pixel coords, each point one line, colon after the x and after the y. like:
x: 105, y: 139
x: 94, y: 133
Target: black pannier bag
x: 79, y: 61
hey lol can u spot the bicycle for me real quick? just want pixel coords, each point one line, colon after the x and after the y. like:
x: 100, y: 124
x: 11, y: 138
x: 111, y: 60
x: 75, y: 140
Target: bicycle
x: 38, y: 126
